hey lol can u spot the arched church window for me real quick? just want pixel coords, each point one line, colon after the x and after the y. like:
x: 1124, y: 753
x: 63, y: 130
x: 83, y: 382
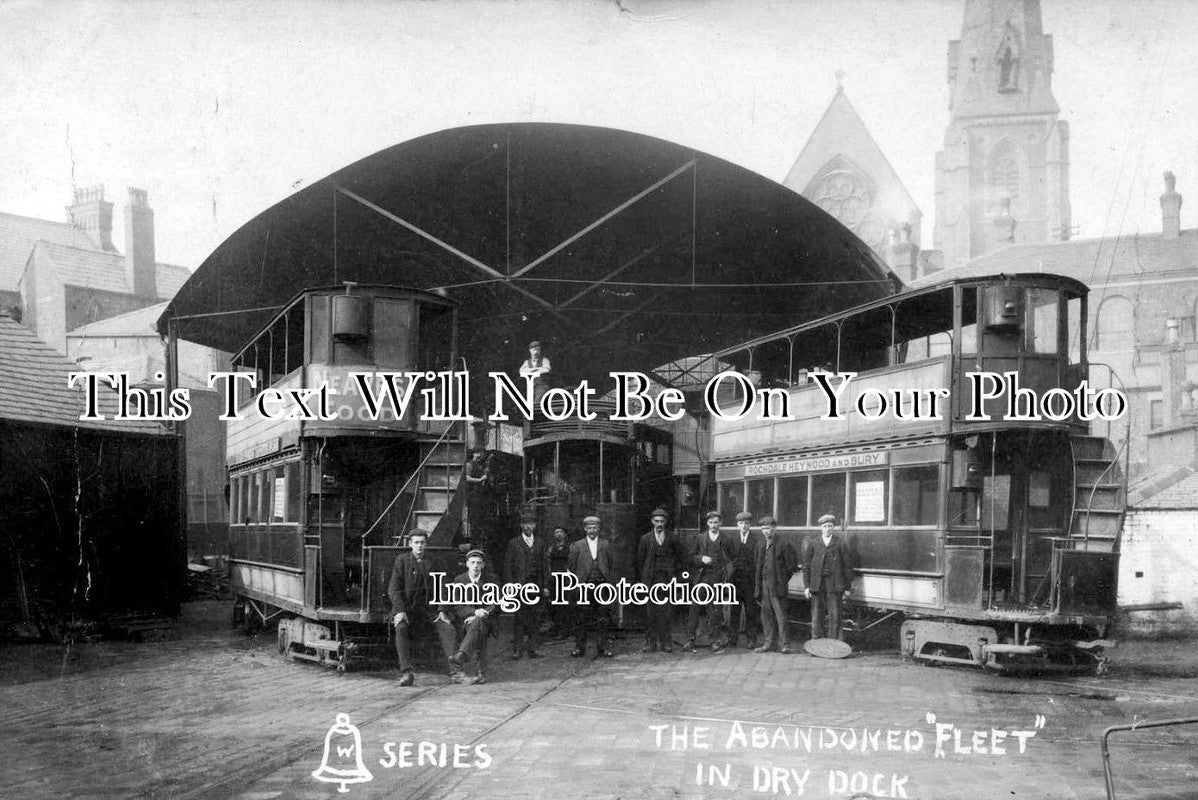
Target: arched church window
x: 1114, y: 328
x: 1003, y: 175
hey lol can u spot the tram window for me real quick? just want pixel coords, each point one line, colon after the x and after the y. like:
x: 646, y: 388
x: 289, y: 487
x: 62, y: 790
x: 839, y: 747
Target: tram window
x: 1039, y: 489
x: 293, y: 491
x: 264, y: 496
x: 318, y: 328
x: 252, y: 509
x: 940, y: 344
x: 436, y: 338
x: 916, y: 495
x: 868, y: 497
x: 792, y: 501
x: 969, y: 338
x: 278, y: 494
x: 615, y: 488
x: 760, y: 497
x: 1041, y: 323
x: 243, y: 505
x: 963, y: 507
x: 730, y: 499
x: 996, y: 497
x: 234, y: 499
x: 393, y: 333
x: 1074, y: 321
x: 827, y: 495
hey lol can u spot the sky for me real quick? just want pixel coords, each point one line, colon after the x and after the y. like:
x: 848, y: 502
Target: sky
x: 220, y: 109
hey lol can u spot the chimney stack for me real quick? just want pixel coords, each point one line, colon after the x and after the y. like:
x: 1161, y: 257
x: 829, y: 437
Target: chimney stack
x: 1004, y: 224
x: 93, y: 214
x: 1170, y: 209
x: 140, y: 266
x: 904, y: 254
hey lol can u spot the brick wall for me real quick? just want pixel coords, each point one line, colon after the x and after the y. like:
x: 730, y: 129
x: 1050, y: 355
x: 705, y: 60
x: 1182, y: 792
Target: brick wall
x: 1159, y: 564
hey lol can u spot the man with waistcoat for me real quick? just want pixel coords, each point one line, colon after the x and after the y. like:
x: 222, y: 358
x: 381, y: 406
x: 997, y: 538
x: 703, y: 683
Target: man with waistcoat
x: 777, y: 561
x: 709, y: 561
x: 410, y: 590
x: 746, y: 614
x: 829, y: 578
x: 658, y: 557
x: 591, y: 561
x: 526, y: 562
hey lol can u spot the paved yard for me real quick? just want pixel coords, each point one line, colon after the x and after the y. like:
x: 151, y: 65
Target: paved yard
x: 217, y: 715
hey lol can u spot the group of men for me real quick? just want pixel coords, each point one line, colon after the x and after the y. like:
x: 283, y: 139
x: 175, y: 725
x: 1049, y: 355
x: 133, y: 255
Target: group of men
x: 758, y: 563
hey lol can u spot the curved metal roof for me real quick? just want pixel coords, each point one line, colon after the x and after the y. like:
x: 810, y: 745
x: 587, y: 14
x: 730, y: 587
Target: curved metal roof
x: 618, y: 251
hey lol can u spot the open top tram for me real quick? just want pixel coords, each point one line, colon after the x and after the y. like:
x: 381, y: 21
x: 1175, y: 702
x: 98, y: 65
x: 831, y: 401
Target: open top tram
x: 997, y: 538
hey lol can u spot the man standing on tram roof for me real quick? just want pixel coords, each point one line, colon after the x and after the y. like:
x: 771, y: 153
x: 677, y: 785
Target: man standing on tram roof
x: 777, y: 561
x: 709, y: 561
x: 526, y: 562
x: 591, y: 562
x: 829, y: 578
x: 659, y: 557
x: 410, y: 590
x: 476, y: 619
x: 746, y: 614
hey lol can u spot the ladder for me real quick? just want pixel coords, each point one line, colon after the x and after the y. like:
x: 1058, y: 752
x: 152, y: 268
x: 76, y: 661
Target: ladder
x: 1100, y: 495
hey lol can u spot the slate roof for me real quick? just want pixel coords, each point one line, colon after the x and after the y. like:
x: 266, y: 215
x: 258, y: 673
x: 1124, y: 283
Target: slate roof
x: 19, y: 234
x: 1092, y: 261
x: 1178, y: 489
x: 99, y: 269
x: 33, y: 386
x: 139, y: 322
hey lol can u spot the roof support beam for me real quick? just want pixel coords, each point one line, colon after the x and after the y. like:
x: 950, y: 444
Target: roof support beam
x: 630, y: 201
x: 648, y: 251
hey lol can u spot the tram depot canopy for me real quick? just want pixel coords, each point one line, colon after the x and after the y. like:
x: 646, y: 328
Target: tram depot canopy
x: 617, y: 251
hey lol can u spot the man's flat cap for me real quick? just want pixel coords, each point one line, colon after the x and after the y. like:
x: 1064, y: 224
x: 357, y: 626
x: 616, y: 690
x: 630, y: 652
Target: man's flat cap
x: 715, y: 514
x: 767, y: 520
x: 744, y: 516
x: 827, y: 518
x: 476, y: 552
x: 589, y: 520
x: 658, y: 512
x: 528, y: 514
x: 533, y: 343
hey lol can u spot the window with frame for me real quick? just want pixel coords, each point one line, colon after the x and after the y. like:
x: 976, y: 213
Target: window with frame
x: 916, y: 494
x: 731, y: 499
x: 759, y: 497
x: 792, y: 501
x: 827, y: 495
x: 868, y: 497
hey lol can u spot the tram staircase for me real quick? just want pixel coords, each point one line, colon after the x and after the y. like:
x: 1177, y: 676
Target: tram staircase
x: 1100, y: 495
x: 438, y: 505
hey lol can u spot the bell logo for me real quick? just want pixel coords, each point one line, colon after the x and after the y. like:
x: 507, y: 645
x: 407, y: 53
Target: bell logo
x: 345, y: 767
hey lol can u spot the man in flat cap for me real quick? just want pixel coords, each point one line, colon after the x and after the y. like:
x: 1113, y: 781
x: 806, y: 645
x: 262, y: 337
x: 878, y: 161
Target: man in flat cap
x: 777, y: 561
x: 557, y: 559
x: 410, y: 590
x: 709, y: 561
x: 591, y: 561
x: 829, y: 578
x: 525, y: 562
x: 537, y: 367
x: 659, y: 558
x: 746, y: 614
x: 475, y: 619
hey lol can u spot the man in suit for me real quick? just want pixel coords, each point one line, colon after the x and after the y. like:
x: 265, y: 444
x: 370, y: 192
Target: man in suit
x: 591, y: 561
x: 659, y: 557
x: 777, y: 561
x: 526, y: 562
x: 829, y: 578
x: 557, y: 558
x: 746, y: 614
x: 709, y: 561
x: 476, y: 619
x: 411, y: 592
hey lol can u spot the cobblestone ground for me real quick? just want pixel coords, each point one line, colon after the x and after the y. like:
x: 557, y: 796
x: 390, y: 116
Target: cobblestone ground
x: 216, y: 715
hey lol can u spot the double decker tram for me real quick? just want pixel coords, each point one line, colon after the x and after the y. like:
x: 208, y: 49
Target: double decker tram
x: 996, y: 538
x: 318, y: 507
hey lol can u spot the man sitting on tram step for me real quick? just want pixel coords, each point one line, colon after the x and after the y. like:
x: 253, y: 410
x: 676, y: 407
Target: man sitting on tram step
x: 557, y: 559
x: 829, y: 578
x: 709, y: 561
x: 659, y: 558
x: 410, y: 589
x: 776, y: 562
x: 746, y: 614
x: 591, y: 561
x: 526, y: 562
x: 475, y: 619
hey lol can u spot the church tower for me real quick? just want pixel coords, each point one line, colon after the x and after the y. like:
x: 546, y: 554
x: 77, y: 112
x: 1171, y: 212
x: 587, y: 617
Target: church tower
x: 1003, y: 175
